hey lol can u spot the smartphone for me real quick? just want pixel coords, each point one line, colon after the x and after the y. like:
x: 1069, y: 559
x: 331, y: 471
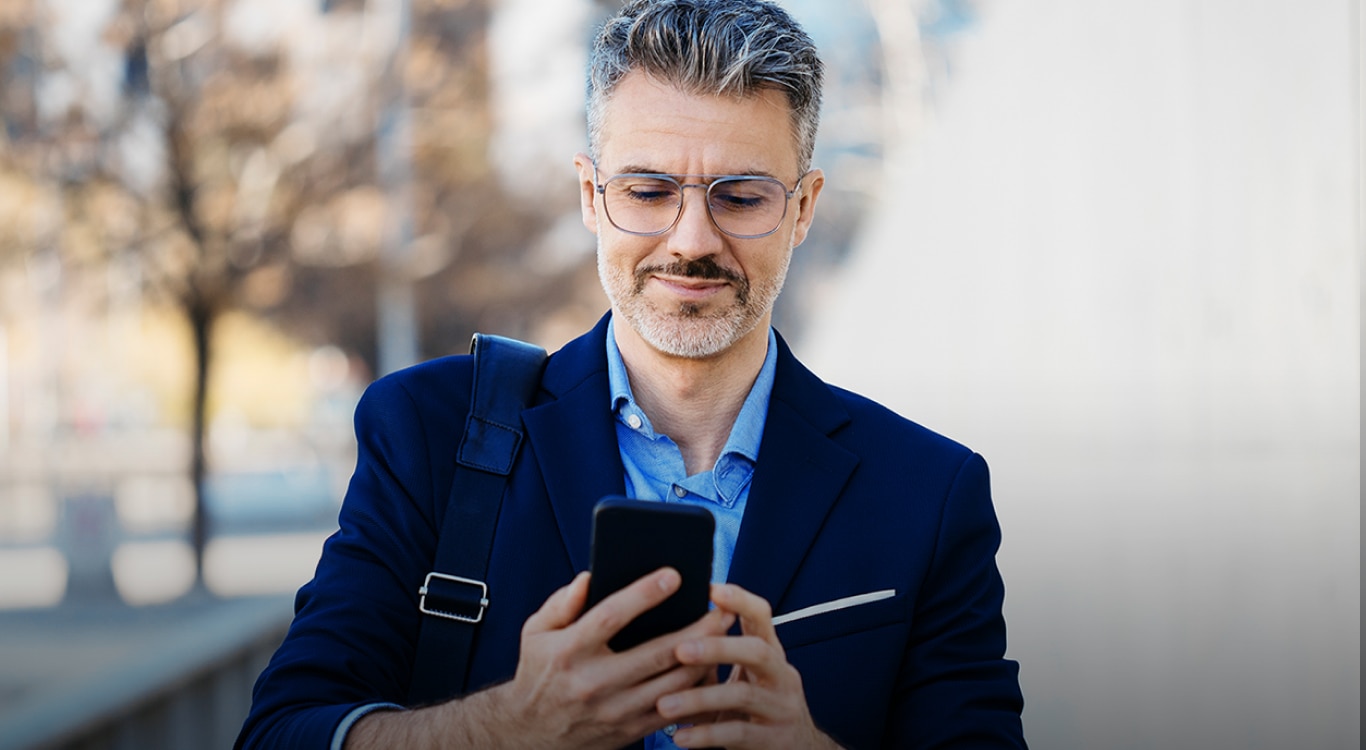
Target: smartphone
x: 632, y: 538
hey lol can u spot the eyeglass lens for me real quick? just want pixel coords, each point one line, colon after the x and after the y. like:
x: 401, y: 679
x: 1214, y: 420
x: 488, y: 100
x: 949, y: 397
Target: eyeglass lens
x: 740, y: 206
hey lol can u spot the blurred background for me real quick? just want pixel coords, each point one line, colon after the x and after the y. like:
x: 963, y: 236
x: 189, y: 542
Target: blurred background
x: 1115, y: 247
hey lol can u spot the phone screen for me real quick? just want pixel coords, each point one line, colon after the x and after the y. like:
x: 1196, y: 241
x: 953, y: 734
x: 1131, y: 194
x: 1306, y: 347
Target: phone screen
x: 632, y: 538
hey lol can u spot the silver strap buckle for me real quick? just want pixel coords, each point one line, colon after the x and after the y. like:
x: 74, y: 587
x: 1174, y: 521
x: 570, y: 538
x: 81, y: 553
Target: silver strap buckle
x: 474, y: 619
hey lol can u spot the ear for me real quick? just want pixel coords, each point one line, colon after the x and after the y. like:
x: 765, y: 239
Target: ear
x: 812, y: 185
x: 588, y: 191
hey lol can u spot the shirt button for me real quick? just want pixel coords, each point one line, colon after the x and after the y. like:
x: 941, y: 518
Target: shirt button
x: 680, y: 492
x: 634, y: 421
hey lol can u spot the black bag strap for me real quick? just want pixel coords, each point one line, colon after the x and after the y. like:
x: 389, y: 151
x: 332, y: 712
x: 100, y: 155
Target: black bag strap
x: 452, y: 599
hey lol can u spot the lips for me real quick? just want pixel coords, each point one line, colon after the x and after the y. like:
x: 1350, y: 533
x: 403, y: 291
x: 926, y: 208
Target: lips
x: 688, y: 288
x: 693, y: 282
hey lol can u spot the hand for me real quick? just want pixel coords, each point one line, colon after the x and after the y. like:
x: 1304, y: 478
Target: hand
x: 761, y: 704
x: 571, y: 690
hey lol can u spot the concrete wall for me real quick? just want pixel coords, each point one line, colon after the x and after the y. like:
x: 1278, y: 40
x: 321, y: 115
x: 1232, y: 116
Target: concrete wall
x: 1122, y: 259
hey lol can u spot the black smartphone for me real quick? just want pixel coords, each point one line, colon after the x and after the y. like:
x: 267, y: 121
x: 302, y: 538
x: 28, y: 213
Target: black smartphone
x: 632, y: 538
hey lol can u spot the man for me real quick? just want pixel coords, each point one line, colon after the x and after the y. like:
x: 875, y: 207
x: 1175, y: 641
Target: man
x: 863, y: 604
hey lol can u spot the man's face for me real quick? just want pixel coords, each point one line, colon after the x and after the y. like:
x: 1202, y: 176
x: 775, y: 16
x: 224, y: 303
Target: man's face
x: 695, y: 291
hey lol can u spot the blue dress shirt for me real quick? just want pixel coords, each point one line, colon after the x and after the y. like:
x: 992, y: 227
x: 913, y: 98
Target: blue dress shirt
x: 654, y: 463
x: 655, y: 468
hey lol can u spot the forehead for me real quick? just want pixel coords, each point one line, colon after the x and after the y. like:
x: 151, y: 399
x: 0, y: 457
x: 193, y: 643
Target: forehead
x: 650, y: 125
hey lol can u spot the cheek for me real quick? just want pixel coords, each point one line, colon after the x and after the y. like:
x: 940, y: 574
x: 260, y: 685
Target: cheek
x: 622, y: 252
x: 770, y: 264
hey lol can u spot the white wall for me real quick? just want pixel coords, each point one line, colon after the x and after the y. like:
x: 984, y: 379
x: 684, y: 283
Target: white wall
x: 1123, y: 261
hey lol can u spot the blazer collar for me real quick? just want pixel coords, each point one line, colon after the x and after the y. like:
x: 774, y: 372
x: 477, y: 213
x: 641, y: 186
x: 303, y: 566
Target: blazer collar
x: 799, y: 475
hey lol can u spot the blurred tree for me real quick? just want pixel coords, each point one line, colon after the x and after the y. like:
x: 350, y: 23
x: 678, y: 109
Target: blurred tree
x: 233, y: 160
x: 227, y: 150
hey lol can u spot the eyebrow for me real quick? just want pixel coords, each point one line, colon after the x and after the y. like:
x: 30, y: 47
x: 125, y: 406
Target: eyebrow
x: 643, y: 169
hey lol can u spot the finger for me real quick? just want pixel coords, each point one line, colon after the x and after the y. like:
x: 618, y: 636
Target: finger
x: 610, y: 615
x: 728, y: 734
x: 742, y: 698
x: 751, y: 658
x: 643, y: 697
x: 657, y: 655
x: 737, y: 673
x: 715, y: 622
x: 756, y: 616
x: 561, y: 608
x: 655, y: 672
x: 741, y: 651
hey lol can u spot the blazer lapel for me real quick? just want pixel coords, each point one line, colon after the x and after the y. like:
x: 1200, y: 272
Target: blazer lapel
x: 799, y: 476
x: 575, y: 440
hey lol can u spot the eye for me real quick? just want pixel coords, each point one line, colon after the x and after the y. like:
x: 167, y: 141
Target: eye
x: 644, y: 191
x: 738, y: 201
x: 743, y: 196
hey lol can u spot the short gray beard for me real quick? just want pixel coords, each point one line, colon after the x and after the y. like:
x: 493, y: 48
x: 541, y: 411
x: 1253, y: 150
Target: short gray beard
x: 686, y: 332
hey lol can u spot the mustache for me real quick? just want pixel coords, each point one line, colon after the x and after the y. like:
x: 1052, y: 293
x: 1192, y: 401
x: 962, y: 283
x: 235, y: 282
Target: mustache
x: 702, y: 268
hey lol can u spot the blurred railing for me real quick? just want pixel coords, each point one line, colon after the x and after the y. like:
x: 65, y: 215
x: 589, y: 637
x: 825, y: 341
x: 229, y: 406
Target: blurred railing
x: 193, y: 692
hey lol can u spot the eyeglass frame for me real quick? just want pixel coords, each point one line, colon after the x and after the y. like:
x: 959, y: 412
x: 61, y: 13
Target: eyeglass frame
x: 601, y: 188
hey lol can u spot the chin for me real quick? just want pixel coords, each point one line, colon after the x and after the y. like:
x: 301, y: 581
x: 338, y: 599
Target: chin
x: 689, y: 342
x: 688, y: 330
x: 688, y: 335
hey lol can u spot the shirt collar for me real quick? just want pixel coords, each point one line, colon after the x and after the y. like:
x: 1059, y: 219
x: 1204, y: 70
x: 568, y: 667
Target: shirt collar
x: 748, y: 430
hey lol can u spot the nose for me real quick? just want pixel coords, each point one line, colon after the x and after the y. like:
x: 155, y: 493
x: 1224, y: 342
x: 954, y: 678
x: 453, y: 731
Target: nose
x: 694, y: 235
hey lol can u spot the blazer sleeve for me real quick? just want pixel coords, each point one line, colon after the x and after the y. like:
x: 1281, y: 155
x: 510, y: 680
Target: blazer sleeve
x: 355, y: 626
x: 956, y: 689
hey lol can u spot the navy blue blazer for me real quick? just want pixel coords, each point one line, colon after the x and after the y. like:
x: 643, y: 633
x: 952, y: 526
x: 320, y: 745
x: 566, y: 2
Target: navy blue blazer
x: 847, y: 499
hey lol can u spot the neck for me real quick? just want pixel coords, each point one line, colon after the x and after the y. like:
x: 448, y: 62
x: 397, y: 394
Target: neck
x: 693, y: 401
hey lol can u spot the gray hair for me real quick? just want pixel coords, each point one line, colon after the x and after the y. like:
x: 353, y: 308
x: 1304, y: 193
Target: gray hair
x: 721, y: 47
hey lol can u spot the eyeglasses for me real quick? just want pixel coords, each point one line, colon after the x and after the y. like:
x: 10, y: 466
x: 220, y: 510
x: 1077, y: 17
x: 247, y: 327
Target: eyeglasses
x: 743, y: 206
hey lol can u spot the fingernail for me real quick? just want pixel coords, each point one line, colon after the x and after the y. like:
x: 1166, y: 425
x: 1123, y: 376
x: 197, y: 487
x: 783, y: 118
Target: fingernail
x: 668, y: 579
x: 669, y: 704
x: 690, y: 650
